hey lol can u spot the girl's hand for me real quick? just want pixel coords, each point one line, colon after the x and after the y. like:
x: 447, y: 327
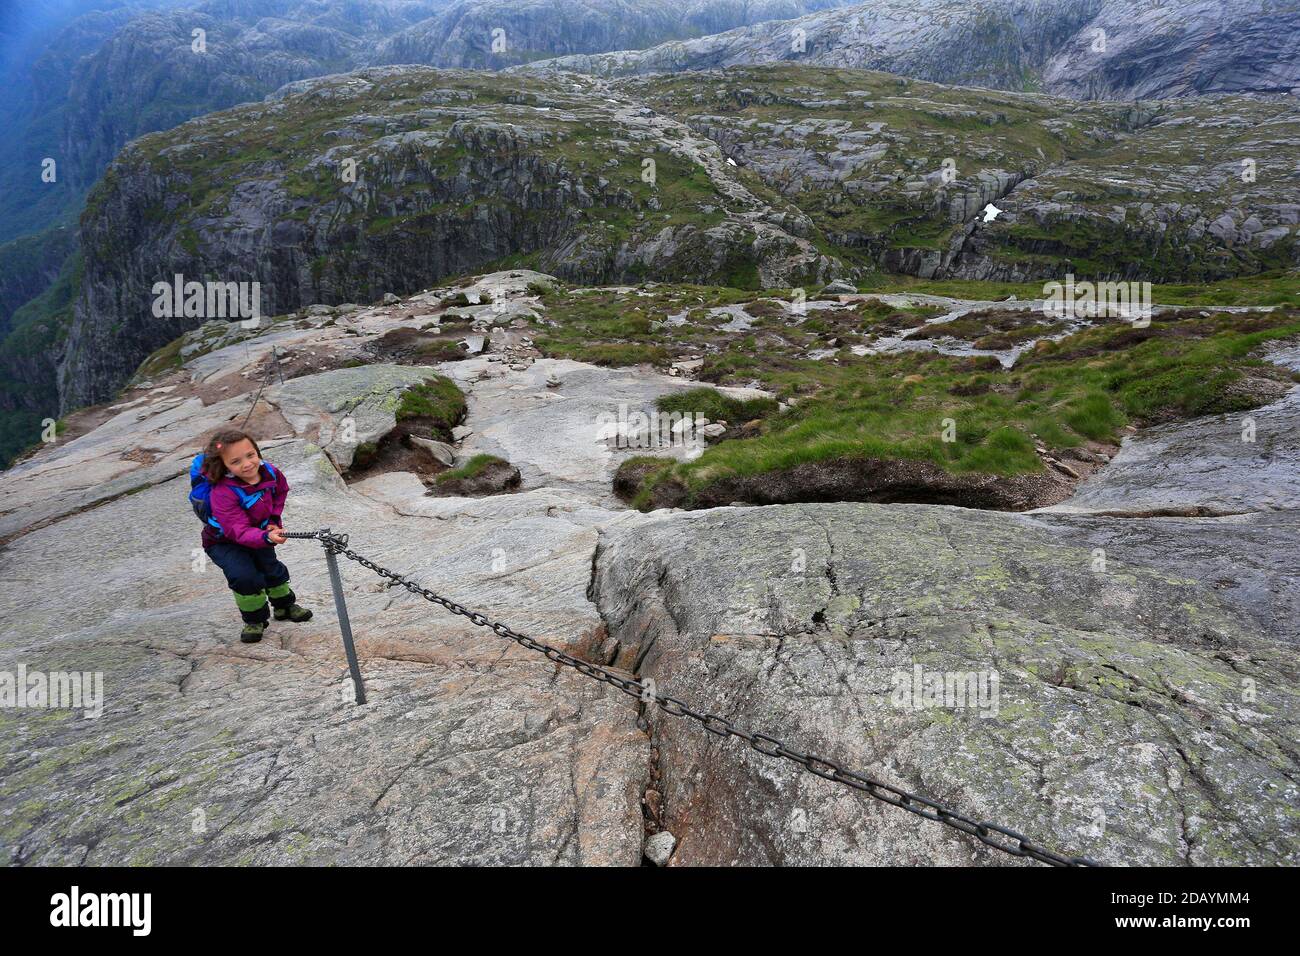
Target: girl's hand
x: 275, y: 535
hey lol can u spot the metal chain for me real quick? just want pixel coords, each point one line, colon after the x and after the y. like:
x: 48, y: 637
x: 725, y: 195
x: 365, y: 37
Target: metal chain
x: 990, y: 834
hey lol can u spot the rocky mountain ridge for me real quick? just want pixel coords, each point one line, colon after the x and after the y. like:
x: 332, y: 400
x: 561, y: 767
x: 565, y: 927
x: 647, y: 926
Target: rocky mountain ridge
x: 762, y: 178
x: 147, y: 76
x: 108, y: 79
x: 455, y: 170
x: 1086, y: 49
x: 112, y: 76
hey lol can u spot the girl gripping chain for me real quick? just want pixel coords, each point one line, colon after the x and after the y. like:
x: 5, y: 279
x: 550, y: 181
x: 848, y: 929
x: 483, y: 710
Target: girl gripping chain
x: 240, y: 499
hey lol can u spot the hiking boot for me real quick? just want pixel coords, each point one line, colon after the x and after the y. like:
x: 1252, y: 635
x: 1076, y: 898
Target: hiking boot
x: 294, y: 612
x: 252, y: 633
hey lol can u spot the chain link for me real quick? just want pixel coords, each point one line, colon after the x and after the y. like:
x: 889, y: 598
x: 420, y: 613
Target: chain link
x: 990, y: 834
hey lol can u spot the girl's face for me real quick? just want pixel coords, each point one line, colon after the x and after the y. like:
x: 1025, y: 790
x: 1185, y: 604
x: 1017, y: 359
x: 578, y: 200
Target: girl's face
x: 241, y: 460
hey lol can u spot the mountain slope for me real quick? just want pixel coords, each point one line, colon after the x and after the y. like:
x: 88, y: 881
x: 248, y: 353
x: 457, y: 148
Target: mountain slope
x: 1180, y: 190
x: 763, y: 177
x: 148, y: 76
x: 1158, y: 48
x: 1091, y: 49
x: 491, y: 34
x: 454, y: 170
x: 36, y: 78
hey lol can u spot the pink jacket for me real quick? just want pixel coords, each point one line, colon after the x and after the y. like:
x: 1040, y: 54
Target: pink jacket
x: 243, y: 526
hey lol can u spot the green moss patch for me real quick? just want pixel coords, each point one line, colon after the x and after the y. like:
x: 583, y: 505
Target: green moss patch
x: 436, y: 399
x: 471, y: 469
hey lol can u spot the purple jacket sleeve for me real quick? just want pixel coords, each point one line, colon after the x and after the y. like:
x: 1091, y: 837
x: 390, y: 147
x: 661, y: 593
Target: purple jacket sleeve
x: 234, y: 519
x: 277, y: 498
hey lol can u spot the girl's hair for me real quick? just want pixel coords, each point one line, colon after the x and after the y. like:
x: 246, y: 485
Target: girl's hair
x: 214, y: 468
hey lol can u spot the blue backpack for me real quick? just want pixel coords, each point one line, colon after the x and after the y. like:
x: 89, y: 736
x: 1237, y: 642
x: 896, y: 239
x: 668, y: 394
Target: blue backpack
x: 201, y: 494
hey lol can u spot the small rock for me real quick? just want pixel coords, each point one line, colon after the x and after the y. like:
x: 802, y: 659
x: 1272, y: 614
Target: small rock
x: 659, y: 848
x: 390, y: 299
x: 1065, y: 469
x: 654, y: 802
x: 441, y: 451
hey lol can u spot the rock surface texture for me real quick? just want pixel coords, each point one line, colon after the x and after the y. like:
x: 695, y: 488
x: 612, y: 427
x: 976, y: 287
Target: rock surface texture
x: 1145, y: 708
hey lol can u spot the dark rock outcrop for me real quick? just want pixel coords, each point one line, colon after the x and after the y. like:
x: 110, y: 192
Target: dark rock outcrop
x: 855, y: 479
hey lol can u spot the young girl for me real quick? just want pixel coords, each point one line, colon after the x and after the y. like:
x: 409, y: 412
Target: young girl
x: 244, y: 548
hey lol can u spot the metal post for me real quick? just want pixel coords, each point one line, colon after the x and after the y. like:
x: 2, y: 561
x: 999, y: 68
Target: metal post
x: 345, y: 626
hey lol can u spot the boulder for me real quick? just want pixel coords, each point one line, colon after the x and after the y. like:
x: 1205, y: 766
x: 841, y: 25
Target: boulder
x: 443, y: 453
x: 1136, y: 715
x: 346, y: 407
x: 493, y: 478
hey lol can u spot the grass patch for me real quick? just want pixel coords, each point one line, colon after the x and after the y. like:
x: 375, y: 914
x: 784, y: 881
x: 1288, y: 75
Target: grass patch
x: 161, y: 361
x: 612, y: 354
x: 715, y: 406
x: 1265, y: 289
x: 436, y: 398
x: 1088, y: 386
x: 471, y: 469
x: 902, y: 405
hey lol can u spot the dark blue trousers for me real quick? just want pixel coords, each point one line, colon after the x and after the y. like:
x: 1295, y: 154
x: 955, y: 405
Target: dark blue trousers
x: 249, y: 572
